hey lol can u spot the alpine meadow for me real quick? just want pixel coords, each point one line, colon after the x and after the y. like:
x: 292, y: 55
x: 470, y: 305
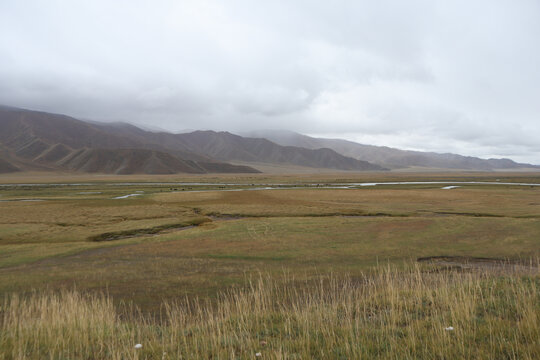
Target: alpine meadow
x: 288, y: 180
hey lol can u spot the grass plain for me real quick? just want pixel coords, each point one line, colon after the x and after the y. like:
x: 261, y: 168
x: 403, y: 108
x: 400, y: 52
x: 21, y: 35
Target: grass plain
x: 392, y: 313
x: 202, y: 238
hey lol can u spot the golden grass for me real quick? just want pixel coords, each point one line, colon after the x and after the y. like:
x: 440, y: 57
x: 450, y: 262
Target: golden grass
x: 46, y: 244
x: 430, y: 200
x: 203, y: 260
x: 393, y: 312
x: 76, y: 220
x: 290, y: 176
x: 386, y: 314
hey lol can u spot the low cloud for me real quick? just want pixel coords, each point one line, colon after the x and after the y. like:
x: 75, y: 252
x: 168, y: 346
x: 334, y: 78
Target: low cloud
x: 428, y: 75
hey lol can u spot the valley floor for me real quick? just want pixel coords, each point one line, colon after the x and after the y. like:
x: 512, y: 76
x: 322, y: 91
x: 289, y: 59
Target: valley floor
x: 147, y: 241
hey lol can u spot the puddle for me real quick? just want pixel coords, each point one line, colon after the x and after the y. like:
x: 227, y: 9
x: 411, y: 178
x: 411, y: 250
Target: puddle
x: 126, y: 196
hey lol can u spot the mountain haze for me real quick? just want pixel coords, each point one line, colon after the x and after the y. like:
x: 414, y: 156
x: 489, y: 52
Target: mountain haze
x: 386, y: 156
x: 33, y: 140
x: 229, y: 147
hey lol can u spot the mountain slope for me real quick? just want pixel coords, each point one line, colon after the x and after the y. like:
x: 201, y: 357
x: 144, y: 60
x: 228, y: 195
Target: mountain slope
x: 7, y: 167
x: 32, y: 140
x: 126, y: 161
x: 37, y: 140
x: 388, y: 157
x: 229, y: 147
x: 152, y: 140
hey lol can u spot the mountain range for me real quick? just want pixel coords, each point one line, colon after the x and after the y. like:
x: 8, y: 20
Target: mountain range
x: 34, y: 140
x: 388, y: 157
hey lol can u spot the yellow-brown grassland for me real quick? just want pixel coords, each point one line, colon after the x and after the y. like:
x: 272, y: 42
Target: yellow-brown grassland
x: 324, y: 266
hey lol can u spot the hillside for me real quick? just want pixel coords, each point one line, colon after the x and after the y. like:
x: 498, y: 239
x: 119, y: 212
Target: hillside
x: 225, y: 146
x: 32, y: 140
x: 127, y: 161
x: 229, y: 147
x: 7, y: 167
x: 386, y: 156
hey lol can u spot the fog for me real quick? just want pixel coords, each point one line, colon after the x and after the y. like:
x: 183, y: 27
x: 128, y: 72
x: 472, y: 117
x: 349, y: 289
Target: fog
x: 445, y: 76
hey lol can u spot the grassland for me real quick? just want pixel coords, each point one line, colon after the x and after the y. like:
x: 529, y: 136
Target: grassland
x: 52, y: 243
x: 405, y: 313
x: 200, y: 238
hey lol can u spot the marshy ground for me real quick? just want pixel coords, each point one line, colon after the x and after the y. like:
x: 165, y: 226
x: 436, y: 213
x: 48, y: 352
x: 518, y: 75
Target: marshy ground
x: 193, y: 238
x: 196, y: 237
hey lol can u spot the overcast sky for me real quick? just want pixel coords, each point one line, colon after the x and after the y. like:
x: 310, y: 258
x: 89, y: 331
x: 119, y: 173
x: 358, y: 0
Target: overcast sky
x: 445, y: 76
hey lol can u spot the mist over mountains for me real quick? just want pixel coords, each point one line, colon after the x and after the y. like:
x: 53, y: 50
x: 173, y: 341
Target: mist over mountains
x: 388, y: 157
x: 33, y: 141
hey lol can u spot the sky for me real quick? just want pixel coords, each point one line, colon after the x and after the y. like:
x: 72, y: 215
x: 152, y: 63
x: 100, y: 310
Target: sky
x: 455, y: 76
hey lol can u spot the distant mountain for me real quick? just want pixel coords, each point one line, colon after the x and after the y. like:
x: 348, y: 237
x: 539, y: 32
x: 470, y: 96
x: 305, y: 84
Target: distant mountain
x: 388, y: 157
x: 151, y: 140
x: 131, y: 161
x: 229, y: 147
x: 225, y: 146
x: 7, y: 167
x: 32, y: 140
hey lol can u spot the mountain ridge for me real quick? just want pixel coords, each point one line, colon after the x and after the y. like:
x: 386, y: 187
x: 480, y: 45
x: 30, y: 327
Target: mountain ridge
x: 33, y: 140
x: 227, y: 146
x: 389, y: 157
x: 39, y: 140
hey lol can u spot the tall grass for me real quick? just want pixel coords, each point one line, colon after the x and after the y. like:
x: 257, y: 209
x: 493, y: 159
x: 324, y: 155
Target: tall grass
x: 389, y: 314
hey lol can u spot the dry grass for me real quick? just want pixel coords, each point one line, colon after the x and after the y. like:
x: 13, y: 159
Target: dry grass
x: 72, y: 221
x: 203, y: 260
x: 300, y: 176
x: 46, y: 244
x: 386, y: 314
x: 184, y: 293
x: 429, y: 200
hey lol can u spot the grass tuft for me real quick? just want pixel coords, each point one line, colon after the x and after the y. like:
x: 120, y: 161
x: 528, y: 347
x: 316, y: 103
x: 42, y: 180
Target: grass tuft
x: 389, y: 313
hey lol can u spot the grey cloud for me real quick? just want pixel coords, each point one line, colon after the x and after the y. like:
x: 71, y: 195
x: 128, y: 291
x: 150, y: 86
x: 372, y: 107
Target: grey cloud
x: 454, y: 76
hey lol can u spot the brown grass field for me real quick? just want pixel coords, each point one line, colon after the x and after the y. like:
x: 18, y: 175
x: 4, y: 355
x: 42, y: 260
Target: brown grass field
x: 174, y: 243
